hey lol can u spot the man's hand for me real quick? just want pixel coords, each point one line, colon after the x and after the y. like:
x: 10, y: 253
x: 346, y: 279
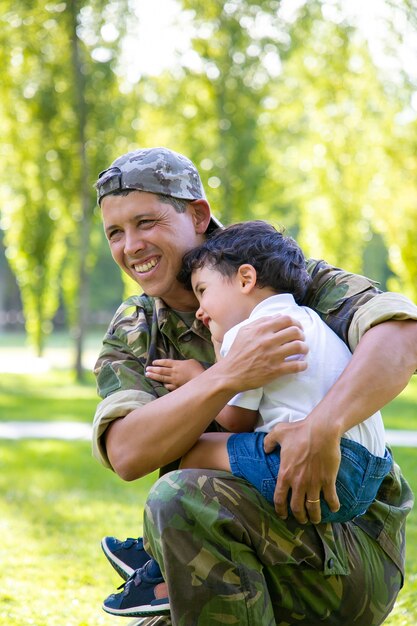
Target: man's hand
x: 259, y: 355
x: 310, y: 452
x: 263, y: 350
x: 173, y: 373
x: 309, y: 465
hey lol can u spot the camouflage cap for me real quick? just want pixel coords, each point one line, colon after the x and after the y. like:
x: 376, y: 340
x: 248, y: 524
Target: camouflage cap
x: 156, y: 170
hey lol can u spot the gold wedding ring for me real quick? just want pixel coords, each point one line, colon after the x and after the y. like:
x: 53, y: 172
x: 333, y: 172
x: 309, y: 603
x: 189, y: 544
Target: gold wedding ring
x: 312, y: 501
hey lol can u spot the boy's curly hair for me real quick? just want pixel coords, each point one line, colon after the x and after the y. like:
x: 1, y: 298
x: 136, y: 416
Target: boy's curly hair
x: 278, y: 260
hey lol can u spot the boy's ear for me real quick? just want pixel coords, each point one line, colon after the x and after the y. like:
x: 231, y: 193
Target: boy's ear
x: 200, y: 212
x: 246, y: 275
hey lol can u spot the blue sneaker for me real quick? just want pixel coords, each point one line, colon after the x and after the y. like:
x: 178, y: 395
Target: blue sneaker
x: 140, y: 594
x: 125, y: 556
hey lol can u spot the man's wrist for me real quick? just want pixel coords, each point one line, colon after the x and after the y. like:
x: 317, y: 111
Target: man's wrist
x: 328, y: 426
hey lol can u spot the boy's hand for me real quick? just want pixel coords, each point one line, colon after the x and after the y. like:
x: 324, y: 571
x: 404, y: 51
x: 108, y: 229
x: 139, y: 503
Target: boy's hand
x: 172, y: 373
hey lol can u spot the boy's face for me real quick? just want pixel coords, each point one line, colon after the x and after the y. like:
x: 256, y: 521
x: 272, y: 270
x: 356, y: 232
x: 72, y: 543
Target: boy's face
x: 222, y: 304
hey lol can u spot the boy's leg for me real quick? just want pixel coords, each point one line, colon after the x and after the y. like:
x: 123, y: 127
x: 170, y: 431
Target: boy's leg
x: 210, y: 452
x: 228, y: 559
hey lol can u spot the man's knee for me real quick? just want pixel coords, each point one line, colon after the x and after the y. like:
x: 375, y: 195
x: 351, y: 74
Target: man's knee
x: 166, y: 497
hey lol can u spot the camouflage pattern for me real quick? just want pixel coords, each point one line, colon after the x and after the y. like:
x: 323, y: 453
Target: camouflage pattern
x: 336, y: 295
x: 142, y: 330
x: 229, y: 559
x: 156, y: 170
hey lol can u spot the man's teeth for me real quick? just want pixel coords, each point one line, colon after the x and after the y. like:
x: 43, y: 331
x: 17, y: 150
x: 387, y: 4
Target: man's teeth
x: 145, y: 267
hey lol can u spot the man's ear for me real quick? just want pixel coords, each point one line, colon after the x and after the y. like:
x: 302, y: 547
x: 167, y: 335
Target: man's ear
x: 246, y: 276
x: 200, y: 211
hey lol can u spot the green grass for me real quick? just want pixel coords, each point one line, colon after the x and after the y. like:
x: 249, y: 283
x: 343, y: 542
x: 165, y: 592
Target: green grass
x: 405, y: 610
x: 47, y: 391
x: 44, y: 397
x: 401, y: 414
x: 56, y: 503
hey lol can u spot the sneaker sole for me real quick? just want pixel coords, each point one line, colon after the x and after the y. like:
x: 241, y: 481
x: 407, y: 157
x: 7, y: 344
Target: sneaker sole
x: 121, y: 568
x: 140, y: 611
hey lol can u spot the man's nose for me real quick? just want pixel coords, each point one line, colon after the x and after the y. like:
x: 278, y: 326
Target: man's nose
x: 133, y: 243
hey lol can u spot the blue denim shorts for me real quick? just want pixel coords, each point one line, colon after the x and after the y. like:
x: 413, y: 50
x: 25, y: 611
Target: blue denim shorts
x: 359, y: 478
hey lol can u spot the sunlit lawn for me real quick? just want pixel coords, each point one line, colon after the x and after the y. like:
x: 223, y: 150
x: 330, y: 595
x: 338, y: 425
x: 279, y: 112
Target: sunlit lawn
x: 56, y: 503
x: 44, y: 397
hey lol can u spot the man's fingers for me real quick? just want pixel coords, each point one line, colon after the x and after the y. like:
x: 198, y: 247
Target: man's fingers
x: 281, y: 497
x: 330, y: 495
x: 285, y: 326
x: 272, y: 439
x: 280, y: 322
x: 292, y: 367
x: 298, y: 508
x: 281, y: 506
x: 312, y: 504
x: 270, y: 443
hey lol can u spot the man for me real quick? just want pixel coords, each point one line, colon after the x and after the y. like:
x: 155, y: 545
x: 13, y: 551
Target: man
x: 226, y: 555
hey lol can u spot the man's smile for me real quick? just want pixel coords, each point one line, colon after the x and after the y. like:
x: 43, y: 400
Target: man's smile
x: 145, y: 266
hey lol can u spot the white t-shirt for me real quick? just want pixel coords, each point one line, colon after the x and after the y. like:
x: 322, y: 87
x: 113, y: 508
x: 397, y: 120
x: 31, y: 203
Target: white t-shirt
x: 292, y: 397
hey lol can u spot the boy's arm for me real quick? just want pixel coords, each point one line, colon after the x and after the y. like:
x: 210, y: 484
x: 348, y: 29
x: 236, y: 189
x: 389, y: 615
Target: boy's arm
x: 237, y: 419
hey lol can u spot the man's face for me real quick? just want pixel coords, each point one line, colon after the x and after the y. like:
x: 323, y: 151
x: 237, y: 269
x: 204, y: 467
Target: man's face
x: 148, y: 239
x: 222, y: 304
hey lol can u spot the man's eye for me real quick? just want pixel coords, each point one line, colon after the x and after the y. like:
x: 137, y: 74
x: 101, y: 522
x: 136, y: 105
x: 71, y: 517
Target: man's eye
x: 146, y: 223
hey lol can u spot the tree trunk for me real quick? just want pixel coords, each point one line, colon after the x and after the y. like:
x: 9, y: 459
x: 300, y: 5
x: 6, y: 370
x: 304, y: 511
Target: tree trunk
x: 82, y: 305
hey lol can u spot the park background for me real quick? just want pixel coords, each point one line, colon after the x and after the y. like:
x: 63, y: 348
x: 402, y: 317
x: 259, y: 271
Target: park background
x: 303, y: 113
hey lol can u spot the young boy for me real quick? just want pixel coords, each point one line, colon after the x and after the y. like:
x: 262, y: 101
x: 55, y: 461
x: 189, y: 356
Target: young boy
x: 243, y: 272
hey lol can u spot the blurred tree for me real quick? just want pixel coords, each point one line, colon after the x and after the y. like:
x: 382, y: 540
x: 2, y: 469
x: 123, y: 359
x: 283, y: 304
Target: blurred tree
x: 287, y: 118
x: 216, y: 99
x: 32, y: 168
x: 58, y: 78
x: 280, y: 104
x: 329, y: 129
x: 375, y: 261
x: 396, y: 218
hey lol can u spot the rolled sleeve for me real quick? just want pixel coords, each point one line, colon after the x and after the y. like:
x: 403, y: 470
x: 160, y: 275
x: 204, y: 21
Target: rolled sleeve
x: 111, y: 408
x: 382, y: 308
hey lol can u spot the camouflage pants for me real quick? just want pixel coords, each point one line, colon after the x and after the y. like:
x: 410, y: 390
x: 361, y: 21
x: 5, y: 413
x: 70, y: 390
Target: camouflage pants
x: 228, y: 559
